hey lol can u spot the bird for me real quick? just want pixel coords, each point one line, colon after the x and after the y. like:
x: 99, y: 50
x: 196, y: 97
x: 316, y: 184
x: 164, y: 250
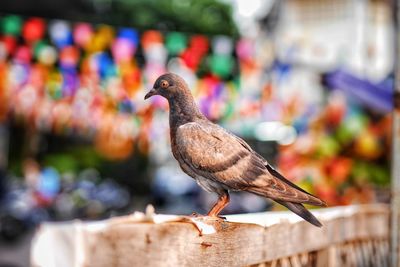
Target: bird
x: 218, y: 160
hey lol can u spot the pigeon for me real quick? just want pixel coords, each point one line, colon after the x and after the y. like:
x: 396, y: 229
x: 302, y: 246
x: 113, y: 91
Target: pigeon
x: 220, y: 161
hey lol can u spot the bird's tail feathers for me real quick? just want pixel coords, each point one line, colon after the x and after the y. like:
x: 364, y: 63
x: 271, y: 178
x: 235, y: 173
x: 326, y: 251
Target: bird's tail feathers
x: 313, y: 200
x: 300, y: 210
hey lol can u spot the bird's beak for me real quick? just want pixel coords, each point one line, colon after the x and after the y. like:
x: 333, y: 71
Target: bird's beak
x: 151, y: 93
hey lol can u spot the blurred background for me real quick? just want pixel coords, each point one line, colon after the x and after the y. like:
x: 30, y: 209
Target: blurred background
x: 308, y: 84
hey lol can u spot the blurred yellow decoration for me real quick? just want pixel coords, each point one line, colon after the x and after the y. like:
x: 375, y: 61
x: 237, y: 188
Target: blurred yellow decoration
x: 306, y: 185
x: 3, y: 93
x: 131, y: 78
x: 367, y: 145
x: 54, y: 84
x: 102, y: 39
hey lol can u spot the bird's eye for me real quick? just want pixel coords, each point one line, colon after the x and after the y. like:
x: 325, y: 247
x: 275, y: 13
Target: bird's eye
x: 164, y: 84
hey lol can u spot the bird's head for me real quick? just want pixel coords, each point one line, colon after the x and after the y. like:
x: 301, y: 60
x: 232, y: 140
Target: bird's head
x: 168, y: 85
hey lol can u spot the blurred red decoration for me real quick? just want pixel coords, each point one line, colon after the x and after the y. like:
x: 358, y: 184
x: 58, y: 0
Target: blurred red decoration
x: 328, y: 193
x: 199, y: 44
x: 131, y: 79
x: 23, y: 54
x: 336, y: 109
x: 338, y: 169
x: 193, y: 55
x: 33, y: 29
x: 191, y: 58
x: 151, y: 37
x: 69, y: 56
x: 10, y: 43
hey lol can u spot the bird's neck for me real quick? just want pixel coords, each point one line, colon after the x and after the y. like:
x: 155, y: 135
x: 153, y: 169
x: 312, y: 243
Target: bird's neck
x: 183, y: 109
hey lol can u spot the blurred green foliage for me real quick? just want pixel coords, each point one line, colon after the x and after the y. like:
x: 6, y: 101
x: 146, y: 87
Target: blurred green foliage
x: 209, y: 17
x: 195, y: 16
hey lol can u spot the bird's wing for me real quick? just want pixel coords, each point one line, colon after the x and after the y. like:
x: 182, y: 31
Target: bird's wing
x: 216, y: 154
